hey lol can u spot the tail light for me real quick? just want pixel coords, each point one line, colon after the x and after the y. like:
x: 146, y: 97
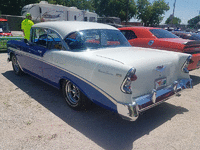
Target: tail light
x: 126, y: 84
x: 185, y: 65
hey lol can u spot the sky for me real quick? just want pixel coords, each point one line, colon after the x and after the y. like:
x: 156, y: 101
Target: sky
x: 184, y: 9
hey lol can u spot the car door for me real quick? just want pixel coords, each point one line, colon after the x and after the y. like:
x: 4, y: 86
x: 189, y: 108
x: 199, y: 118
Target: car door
x: 34, y: 51
x: 55, y: 46
x: 134, y: 40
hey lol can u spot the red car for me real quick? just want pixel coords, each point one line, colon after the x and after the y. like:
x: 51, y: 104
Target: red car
x: 164, y: 40
x: 4, y: 29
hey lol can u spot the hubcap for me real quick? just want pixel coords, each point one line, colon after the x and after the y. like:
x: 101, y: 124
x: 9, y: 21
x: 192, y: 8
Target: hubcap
x: 15, y: 64
x: 72, y: 93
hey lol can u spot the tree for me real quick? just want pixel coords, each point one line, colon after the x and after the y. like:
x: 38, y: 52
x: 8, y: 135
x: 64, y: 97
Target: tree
x: 14, y: 7
x: 173, y: 20
x: 115, y: 8
x: 151, y: 14
x: 144, y: 10
x: 194, y: 22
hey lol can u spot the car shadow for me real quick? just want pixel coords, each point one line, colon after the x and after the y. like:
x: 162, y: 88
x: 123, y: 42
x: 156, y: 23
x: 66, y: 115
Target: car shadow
x: 107, y: 129
x: 195, y: 80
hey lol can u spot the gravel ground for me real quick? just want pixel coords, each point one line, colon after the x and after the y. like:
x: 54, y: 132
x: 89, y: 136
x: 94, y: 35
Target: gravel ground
x: 34, y: 115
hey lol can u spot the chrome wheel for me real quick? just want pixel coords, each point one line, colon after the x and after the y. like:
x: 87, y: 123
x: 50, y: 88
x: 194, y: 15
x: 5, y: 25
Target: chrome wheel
x: 72, y: 93
x: 16, y: 66
x: 74, y: 97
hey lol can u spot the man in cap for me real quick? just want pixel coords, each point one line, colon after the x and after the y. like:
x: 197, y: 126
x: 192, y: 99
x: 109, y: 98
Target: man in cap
x: 26, y: 26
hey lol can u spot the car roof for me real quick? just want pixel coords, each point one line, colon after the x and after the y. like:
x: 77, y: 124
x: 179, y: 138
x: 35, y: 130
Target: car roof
x: 66, y: 27
x: 141, y: 32
x: 139, y: 27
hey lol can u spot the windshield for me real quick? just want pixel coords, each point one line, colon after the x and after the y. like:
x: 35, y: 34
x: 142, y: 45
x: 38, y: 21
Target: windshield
x: 96, y: 38
x: 160, y: 33
x: 4, y: 27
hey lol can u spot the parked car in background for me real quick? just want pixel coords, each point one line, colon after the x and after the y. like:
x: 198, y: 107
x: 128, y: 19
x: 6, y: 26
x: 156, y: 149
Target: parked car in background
x: 187, y: 35
x: 157, y: 38
x: 195, y: 37
x: 94, y: 62
x: 4, y: 29
x: 5, y: 34
x: 182, y: 34
x: 113, y: 21
x: 169, y: 28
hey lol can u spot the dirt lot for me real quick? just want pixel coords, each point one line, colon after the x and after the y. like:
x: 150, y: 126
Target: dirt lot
x: 34, y: 115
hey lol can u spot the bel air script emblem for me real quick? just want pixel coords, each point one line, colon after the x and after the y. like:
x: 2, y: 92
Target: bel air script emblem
x: 160, y: 68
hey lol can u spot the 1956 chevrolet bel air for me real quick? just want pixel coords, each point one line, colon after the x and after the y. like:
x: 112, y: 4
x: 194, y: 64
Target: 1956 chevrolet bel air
x: 94, y: 62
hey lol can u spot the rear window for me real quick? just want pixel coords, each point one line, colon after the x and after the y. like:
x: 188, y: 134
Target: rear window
x: 160, y: 33
x: 129, y: 34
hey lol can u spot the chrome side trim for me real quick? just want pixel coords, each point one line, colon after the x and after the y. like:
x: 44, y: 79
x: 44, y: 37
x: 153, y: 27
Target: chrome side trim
x: 153, y: 98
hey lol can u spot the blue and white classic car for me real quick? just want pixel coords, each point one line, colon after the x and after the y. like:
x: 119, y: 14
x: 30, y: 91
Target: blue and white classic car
x: 93, y: 62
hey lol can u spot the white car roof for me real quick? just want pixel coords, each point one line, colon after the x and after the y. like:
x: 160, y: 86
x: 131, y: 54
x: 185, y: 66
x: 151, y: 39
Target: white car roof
x: 66, y: 27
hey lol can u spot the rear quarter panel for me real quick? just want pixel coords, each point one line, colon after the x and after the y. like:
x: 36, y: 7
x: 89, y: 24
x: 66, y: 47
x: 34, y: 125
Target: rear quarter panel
x: 101, y: 73
x: 167, y: 45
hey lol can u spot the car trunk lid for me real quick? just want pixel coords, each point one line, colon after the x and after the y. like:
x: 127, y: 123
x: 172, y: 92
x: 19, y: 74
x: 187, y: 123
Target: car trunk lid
x: 153, y: 67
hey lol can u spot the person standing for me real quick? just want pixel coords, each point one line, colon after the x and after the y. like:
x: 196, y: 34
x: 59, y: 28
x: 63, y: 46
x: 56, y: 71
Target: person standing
x: 26, y: 26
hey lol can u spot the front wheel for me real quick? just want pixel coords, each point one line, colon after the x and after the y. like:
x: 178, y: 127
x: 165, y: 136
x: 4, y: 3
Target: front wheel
x: 15, y: 65
x: 74, y: 97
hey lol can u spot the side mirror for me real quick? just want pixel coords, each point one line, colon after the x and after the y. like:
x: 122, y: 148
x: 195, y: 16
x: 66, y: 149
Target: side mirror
x: 27, y: 42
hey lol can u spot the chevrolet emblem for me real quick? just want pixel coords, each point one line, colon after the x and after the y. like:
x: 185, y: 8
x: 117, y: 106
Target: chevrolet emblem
x: 160, y: 68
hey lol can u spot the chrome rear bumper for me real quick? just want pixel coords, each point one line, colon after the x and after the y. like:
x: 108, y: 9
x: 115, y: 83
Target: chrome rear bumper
x: 142, y: 103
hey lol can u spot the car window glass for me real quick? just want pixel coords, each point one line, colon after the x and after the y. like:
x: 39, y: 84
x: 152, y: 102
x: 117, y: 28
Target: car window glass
x: 160, y: 33
x: 74, y: 41
x: 92, y: 19
x: 39, y: 37
x: 93, y: 39
x: 53, y: 40
x: 4, y: 27
x: 129, y: 34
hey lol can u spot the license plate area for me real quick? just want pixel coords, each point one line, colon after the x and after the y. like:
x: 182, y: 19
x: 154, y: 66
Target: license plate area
x: 160, y: 83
